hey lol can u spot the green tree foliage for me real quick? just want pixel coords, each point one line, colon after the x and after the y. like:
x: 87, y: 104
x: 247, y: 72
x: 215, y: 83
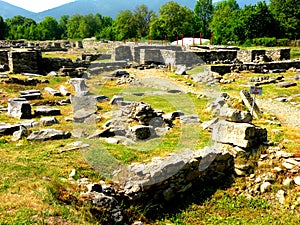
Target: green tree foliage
x: 255, y: 21
x: 20, y: 27
x: 287, y: 13
x: 174, y: 20
x: 63, y: 21
x: 143, y: 16
x: 73, y: 26
x: 2, y: 28
x: 204, y: 13
x: 49, y: 29
x: 125, y: 25
x: 224, y: 22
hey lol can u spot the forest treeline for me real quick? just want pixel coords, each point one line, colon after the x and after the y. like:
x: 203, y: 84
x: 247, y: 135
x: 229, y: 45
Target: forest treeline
x: 223, y: 22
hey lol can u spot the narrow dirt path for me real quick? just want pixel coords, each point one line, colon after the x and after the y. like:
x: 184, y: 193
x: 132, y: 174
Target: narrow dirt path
x: 288, y: 114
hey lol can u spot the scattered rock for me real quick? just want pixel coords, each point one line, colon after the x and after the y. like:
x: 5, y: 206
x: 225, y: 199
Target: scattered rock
x: 187, y: 119
x: 48, y: 121
x: 264, y: 187
x: 51, y: 91
x: 48, y: 134
x: 235, y: 115
x: 116, y: 99
x: 297, y: 180
x: 18, y: 135
x: 286, y: 84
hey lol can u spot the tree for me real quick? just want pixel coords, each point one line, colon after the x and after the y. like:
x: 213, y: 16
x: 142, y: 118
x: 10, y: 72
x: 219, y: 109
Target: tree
x: 204, y: 12
x: 224, y: 22
x: 287, y: 13
x: 63, y: 26
x: 125, y: 26
x: 2, y: 28
x: 19, y: 27
x: 73, y: 26
x: 50, y: 29
x: 143, y: 16
x: 174, y: 20
x: 256, y: 21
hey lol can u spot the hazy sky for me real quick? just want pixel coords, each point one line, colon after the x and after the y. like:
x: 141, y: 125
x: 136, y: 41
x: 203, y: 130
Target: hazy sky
x: 38, y: 5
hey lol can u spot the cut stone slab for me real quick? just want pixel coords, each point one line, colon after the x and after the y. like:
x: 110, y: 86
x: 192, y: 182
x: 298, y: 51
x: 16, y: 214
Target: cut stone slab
x: 116, y: 99
x: 48, y: 134
x: 241, y: 134
x: 4, y: 75
x: 286, y: 84
x: 64, y: 91
x: 19, y: 108
x: 248, y: 101
x: 30, y: 94
x: 46, y: 111
x: 48, y: 121
x: 51, y: 91
x: 8, y: 129
x: 17, y: 135
x: 180, y: 70
x: 101, y: 98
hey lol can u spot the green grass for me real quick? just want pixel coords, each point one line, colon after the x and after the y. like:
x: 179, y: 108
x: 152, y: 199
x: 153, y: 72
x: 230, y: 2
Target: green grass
x: 27, y: 197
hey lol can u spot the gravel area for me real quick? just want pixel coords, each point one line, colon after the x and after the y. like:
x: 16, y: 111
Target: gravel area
x: 287, y: 113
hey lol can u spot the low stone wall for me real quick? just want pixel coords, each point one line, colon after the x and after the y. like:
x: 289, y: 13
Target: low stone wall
x: 96, y: 68
x: 54, y: 64
x: 95, y: 56
x: 258, y: 67
x: 165, y: 178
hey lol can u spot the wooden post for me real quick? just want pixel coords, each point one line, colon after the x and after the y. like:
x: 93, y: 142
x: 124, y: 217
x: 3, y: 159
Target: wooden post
x: 200, y: 38
x: 193, y: 40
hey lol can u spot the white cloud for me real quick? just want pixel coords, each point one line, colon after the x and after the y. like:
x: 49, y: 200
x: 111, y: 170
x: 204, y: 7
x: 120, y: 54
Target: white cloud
x: 38, y: 5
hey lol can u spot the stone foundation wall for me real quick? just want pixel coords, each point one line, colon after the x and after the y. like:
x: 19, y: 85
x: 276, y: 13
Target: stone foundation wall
x: 25, y: 61
x: 187, y: 58
x: 121, y: 53
x: 148, y: 56
x: 273, y: 55
x: 217, y: 55
x: 3, y: 57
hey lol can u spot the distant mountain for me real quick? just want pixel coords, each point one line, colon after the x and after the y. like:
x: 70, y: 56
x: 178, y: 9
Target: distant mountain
x: 8, y: 11
x: 104, y: 7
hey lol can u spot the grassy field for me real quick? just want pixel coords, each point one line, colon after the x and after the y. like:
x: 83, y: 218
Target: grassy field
x: 34, y: 182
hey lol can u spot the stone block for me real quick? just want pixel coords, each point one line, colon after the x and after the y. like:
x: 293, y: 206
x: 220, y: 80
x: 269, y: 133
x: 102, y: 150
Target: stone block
x: 240, y: 134
x: 19, y: 108
x: 46, y: 111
